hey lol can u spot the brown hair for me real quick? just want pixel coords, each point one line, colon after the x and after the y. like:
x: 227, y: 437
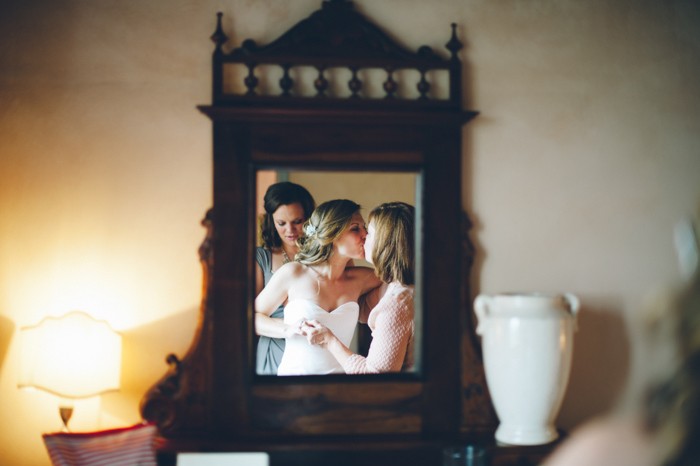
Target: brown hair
x: 393, y: 253
x: 673, y: 404
x: 277, y: 195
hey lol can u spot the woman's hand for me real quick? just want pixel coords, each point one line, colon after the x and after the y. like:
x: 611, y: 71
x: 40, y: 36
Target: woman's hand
x: 320, y: 336
x: 317, y: 334
x: 295, y: 329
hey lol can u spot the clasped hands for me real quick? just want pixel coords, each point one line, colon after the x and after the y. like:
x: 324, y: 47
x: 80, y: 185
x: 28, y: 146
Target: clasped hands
x: 315, y: 332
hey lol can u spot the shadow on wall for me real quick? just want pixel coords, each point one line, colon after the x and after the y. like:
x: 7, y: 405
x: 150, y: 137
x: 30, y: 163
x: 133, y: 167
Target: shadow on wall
x: 143, y: 360
x: 600, y: 363
x: 480, y: 256
x: 475, y: 226
x: 7, y: 328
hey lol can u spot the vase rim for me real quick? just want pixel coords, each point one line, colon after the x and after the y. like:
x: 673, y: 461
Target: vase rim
x: 529, y: 294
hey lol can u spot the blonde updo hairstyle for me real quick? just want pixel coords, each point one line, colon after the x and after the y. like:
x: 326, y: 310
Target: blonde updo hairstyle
x: 327, y: 223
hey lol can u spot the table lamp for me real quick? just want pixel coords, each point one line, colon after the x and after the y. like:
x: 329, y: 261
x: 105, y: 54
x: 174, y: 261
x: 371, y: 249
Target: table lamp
x: 73, y: 356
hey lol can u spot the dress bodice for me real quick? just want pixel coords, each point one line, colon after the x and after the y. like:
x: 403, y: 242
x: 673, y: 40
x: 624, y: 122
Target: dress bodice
x: 300, y: 358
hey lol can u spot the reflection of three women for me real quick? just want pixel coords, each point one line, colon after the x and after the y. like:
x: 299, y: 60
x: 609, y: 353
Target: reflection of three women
x: 308, y: 309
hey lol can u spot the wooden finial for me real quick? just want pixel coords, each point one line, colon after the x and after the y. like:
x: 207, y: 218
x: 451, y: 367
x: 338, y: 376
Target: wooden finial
x: 219, y: 38
x: 454, y: 45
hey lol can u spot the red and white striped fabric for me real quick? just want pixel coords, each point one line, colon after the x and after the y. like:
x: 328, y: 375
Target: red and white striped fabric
x: 130, y: 446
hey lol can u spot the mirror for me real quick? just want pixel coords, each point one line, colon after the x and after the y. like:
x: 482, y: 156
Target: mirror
x: 369, y: 189
x: 211, y: 399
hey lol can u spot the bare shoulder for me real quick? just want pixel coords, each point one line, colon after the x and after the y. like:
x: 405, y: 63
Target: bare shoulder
x: 365, y: 277
x: 359, y: 273
x: 292, y: 270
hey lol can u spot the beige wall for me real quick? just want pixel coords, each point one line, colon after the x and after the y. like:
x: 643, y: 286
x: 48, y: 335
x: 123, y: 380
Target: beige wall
x: 369, y: 189
x: 584, y: 156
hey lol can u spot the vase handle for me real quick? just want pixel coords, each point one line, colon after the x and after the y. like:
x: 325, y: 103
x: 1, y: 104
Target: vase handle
x: 481, y: 308
x: 574, y: 306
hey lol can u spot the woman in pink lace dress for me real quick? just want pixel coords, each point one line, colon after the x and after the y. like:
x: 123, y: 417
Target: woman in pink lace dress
x: 389, y: 246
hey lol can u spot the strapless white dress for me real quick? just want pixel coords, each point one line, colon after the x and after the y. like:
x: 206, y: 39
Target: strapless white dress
x: 300, y: 358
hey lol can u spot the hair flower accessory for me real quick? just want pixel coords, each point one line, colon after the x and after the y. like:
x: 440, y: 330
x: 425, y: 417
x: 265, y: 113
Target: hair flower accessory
x: 310, y: 230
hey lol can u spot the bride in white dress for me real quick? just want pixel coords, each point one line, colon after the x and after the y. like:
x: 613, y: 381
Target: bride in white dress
x: 318, y: 285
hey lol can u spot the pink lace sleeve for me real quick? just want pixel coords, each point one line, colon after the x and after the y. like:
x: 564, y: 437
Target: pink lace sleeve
x: 392, y: 328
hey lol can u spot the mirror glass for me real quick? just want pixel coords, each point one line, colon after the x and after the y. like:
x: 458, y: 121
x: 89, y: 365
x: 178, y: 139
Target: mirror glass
x: 369, y: 190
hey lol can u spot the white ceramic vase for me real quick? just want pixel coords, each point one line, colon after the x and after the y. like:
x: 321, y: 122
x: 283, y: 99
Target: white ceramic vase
x: 527, y: 342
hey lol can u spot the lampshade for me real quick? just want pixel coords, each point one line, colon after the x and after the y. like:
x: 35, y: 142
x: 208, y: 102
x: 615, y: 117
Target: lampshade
x: 73, y: 356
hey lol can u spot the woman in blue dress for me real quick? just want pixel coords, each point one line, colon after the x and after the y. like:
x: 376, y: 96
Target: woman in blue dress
x: 287, y: 207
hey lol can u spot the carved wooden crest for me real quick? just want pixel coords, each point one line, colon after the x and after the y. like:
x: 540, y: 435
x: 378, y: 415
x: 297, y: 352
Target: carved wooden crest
x: 337, y: 36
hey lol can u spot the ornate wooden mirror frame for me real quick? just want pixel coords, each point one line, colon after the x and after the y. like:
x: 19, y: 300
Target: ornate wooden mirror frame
x: 211, y: 399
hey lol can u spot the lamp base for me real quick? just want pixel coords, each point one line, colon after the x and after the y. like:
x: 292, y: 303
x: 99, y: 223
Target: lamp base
x: 66, y: 412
